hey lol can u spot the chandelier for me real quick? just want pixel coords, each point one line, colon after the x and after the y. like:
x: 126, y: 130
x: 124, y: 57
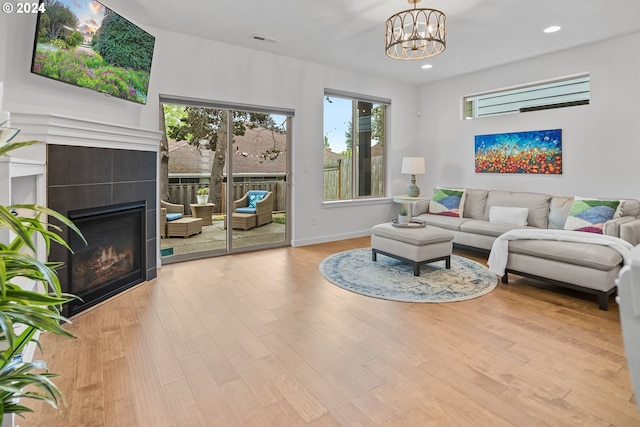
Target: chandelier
x: 415, y: 33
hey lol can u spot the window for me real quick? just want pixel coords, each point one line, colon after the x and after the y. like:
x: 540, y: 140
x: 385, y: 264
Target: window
x: 353, y: 155
x: 566, y: 92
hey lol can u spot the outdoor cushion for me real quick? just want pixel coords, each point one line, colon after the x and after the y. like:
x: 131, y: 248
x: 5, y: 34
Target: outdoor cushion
x: 255, y: 196
x: 173, y: 216
x: 246, y: 210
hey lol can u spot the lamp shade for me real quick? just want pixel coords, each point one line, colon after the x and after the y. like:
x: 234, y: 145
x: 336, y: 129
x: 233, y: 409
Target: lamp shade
x: 413, y: 165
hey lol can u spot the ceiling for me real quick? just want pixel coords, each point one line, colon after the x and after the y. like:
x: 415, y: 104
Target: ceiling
x: 350, y: 34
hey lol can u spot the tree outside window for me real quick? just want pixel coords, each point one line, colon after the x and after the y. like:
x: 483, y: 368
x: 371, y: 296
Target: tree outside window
x: 206, y: 128
x: 353, y: 155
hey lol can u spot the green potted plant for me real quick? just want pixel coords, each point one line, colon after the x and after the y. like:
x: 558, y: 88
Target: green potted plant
x: 403, y: 218
x: 24, y: 312
x: 202, y: 195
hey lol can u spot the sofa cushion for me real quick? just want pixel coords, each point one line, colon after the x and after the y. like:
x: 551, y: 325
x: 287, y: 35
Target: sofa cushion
x: 474, y: 203
x: 559, y: 211
x: 631, y: 207
x: 589, y: 215
x: 584, y: 254
x: 613, y: 227
x: 173, y: 216
x: 508, y: 215
x: 487, y: 228
x: 537, y: 203
x: 420, y: 207
x: 440, y: 221
x: 447, y: 202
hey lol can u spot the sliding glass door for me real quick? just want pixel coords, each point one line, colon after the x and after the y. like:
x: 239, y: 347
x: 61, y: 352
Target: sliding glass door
x: 258, y: 185
x: 225, y: 179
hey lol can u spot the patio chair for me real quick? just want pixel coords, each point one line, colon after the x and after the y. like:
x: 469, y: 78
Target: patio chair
x: 258, y: 202
x: 169, y: 212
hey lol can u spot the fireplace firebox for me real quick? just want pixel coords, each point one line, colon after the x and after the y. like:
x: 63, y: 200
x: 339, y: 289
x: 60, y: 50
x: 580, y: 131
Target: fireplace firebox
x: 113, y: 258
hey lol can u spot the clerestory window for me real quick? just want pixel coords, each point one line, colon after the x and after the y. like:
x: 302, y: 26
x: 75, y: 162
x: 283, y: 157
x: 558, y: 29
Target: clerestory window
x: 559, y: 93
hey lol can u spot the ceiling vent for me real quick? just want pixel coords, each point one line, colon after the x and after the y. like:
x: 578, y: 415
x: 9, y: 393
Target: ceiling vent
x: 262, y: 38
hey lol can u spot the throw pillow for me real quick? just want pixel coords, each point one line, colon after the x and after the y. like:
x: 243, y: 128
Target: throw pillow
x: 254, y: 198
x: 590, y: 214
x: 508, y: 215
x: 618, y: 213
x: 447, y: 201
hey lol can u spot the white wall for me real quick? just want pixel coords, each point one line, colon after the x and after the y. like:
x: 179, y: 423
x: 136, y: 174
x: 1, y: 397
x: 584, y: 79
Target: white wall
x: 197, y: 68
x: 601, y: 141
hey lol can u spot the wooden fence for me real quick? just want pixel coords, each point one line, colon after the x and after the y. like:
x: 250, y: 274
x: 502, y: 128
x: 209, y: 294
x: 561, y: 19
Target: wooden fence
x: 338, y: 178
x: 186, y: 193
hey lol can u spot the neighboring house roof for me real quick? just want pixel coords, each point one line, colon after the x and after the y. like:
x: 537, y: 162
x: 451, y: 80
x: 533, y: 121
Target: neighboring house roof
x: 248, y: 154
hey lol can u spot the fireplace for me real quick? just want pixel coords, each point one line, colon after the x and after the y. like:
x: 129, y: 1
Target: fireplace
x: 114, y: 256
x: 90, y: 165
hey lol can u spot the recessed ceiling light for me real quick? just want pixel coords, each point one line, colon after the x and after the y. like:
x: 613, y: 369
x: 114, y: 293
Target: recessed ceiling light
x: 552, y: 29
x: 426, y: 66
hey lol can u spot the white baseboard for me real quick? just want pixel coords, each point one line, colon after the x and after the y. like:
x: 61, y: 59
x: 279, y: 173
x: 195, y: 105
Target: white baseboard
x: 330, y: 238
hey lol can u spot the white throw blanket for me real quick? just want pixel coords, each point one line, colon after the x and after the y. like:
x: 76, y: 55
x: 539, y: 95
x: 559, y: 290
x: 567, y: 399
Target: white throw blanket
x: 500, y: 250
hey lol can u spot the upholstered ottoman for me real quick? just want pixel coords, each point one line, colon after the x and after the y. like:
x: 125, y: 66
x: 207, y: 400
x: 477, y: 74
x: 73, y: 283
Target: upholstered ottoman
x: 414, y: 245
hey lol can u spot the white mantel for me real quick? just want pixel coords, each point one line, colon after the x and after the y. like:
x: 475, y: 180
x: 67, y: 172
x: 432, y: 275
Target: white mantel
x: 65, y: 130
x: 22, y: 182
x: 58, y: 129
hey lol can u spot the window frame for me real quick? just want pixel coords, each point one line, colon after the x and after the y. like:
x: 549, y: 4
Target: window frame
x: 544, y: 89
x: 355, y: 197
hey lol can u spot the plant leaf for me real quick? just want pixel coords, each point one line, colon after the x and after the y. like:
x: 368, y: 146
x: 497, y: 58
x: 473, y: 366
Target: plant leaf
x: 4, y: 149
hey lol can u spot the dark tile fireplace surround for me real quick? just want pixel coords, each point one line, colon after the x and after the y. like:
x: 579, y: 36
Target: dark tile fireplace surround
x: 86, y: 178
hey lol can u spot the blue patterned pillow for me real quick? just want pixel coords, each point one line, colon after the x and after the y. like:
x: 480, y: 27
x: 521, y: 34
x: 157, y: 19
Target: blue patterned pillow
x: 255, y: 198
x: 448, y: 202
x: 590, y: 214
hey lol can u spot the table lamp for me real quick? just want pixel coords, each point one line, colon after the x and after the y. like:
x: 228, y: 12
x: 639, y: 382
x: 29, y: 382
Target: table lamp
x: 413, y: 166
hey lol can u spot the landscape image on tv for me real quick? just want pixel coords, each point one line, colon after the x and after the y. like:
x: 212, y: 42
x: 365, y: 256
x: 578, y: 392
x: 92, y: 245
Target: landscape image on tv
x: 84, y: 43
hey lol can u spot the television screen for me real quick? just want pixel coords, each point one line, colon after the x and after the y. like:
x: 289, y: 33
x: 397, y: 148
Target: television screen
x: 84, y: 43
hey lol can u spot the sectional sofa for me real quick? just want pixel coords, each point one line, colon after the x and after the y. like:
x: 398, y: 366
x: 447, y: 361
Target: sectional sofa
x: 568, y: 254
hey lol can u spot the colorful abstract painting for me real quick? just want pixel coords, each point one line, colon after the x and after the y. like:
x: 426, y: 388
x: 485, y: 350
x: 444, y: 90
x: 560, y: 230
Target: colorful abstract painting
x: 538, y: 151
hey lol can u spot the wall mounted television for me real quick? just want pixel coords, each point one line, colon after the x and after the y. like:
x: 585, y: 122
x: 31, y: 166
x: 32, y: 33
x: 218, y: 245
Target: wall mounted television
x: 86, y: 44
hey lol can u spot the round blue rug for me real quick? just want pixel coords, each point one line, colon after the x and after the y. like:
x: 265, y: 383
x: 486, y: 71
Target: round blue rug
x: 388, y: 278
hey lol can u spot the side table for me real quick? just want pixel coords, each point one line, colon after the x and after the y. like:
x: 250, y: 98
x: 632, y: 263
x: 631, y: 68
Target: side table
x: 408, y: 200
x: 204, y: 211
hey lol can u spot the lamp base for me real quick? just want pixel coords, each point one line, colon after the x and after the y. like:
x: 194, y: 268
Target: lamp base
x: 413, y: 191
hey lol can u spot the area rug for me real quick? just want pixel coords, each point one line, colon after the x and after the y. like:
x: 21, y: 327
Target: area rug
x: 388, y: 278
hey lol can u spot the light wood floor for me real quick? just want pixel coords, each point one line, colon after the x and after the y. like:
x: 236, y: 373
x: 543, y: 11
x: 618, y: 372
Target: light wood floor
x: 261, y: 339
